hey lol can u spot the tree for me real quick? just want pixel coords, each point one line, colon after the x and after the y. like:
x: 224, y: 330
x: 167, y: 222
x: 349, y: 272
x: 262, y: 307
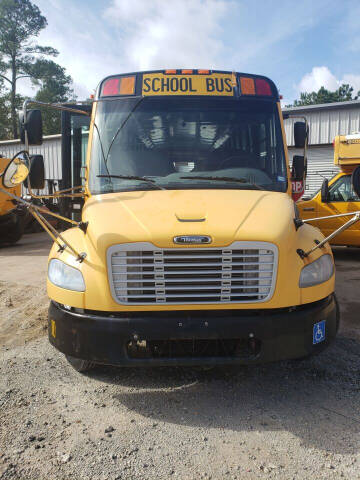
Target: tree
x: 5, y: 113
x: 55, y: 87
x: 342, y: 94
x: 3, y: 116
x: 20, y: 22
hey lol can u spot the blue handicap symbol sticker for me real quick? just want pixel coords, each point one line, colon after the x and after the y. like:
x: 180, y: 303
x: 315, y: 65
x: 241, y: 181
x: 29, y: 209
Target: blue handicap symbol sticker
x: 319, y: 332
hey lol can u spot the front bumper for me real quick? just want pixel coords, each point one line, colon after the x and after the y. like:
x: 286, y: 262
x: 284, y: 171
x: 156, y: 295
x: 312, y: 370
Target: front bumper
x: 192, y: 338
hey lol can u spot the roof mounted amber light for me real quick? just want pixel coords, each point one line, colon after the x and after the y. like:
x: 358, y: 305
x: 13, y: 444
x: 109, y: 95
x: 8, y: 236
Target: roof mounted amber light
x: 118, y: 86
x: 127, y: 85
x: 203, y: 72
x: 247, y: 85
x: 187, y: 72
x: 170, y: 72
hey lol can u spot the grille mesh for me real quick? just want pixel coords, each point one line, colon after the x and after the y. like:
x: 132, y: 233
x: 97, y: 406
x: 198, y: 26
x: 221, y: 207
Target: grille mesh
x: 143, y: 274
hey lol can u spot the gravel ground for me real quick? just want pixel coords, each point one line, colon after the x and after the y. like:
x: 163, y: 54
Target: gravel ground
x: 290, y: 420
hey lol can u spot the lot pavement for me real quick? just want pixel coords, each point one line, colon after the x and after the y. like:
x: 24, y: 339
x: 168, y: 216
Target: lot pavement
x: 290, y: 420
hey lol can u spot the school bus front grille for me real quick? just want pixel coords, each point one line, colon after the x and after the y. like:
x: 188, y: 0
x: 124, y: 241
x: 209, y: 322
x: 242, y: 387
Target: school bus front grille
x: 142, y: 274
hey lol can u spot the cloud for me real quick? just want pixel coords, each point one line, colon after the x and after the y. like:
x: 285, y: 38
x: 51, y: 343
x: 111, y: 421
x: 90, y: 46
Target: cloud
x: 317, y: 78
x: 26, y: 88
x: 116, y: 36
x: 176, y: 33
x: 99, y: 38
x: 323, y: 77
x: 353, y: 80
x: 84, y: 43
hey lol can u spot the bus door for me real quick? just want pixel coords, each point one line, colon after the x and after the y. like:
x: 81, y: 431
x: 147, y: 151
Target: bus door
x: 342, y: 199
x: 74, y: 140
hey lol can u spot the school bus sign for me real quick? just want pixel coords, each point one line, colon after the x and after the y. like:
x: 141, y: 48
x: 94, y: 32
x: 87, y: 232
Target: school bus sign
x: 160, y: 84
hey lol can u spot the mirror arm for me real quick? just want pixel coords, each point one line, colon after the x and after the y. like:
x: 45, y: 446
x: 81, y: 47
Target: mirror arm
x: 349, y: 223
x: 55, y: 106
x: 59, y: 194
x: 54, y: 234
x: 41, y: 220
x: 36, y: 212
x: 40, y: 209
x: 331, y: 216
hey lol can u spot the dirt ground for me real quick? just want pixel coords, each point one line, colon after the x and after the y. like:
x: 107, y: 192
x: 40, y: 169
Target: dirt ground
x: 290, y: 420
x: 23, y: 298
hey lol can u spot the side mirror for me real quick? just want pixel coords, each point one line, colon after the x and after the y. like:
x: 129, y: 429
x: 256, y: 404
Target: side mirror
x: 300, y: 134
x: 37, y: 172
x: 355, y: 180
x: 325, y: 191
x: 15, y: 173
x: 298, y: 171
x: 32, y: 124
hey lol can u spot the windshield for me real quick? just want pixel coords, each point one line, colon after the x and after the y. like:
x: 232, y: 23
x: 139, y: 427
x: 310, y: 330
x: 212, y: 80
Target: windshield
x: 232, y: 143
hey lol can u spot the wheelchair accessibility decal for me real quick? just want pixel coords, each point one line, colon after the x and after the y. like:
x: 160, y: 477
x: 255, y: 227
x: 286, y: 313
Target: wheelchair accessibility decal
x: 319, y: 332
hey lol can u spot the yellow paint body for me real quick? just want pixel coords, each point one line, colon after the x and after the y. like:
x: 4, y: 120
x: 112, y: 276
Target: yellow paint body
x: 152, y: 216
x: 6, y: 203
x: 347, y: 151
x: 347, y: 158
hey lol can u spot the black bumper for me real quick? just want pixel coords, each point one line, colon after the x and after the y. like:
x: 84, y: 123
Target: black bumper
x: 262, y: 335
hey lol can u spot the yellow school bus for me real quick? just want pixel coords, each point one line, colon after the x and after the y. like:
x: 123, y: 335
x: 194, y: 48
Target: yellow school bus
x: 11, y: 216
x: 337, y: 196
x: 190, y: 248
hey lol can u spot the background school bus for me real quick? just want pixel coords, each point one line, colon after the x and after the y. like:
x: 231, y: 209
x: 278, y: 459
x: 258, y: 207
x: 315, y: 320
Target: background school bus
x: 11, y: 215
x: 337, y: 196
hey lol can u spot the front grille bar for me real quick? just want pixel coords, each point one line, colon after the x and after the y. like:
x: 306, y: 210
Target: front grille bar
x: 142, y: 274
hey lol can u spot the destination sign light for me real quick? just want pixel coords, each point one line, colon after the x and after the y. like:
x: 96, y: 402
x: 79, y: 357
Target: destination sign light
x: 219, y: 84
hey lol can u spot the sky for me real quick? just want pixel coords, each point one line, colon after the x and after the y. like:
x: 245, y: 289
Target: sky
x: 300, y: 45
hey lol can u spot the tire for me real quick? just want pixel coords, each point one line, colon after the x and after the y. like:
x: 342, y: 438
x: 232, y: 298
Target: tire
x: 80, y: 365
x: 13, y: 232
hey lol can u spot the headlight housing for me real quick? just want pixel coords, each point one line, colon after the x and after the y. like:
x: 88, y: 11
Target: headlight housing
x: 317, y: 272
x: 64, y: 276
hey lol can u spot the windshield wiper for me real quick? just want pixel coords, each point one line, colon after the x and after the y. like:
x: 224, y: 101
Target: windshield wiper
x: 133, y: 177
x: 224, y: 179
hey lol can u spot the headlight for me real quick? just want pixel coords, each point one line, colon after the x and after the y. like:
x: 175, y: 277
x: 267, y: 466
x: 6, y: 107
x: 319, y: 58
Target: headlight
x: 64, y: 276
x: 317, y: 272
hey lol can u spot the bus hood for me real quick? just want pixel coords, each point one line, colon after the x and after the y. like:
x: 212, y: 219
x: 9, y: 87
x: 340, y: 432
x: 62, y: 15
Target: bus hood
x: 158, y: 216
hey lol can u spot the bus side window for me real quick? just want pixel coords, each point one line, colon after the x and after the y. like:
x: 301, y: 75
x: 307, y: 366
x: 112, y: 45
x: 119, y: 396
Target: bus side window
x: 75, y: 133
x: 342, y: 191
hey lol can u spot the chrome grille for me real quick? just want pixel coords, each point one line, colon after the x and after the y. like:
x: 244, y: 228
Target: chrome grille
x: 142, y: 274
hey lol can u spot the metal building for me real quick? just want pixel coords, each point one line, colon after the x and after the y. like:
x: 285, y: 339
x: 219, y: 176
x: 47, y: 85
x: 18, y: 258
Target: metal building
x: 325, y: 122
x: 50, y: 149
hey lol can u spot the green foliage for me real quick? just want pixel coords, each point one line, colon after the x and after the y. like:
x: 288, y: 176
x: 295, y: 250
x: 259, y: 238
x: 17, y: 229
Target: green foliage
x: 4, y: 116
x: 55, y: 87
x: 343, y: 94
x: 20, y: 56
x: 5, y: 113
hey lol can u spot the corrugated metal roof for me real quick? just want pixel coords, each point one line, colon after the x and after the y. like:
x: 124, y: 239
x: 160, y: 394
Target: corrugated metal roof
x: 325, y: 121
x: 323, y: 106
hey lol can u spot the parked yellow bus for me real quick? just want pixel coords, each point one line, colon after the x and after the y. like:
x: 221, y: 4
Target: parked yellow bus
x: 11, y: 216
x: 190, y: 249
x: 337, y: 196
